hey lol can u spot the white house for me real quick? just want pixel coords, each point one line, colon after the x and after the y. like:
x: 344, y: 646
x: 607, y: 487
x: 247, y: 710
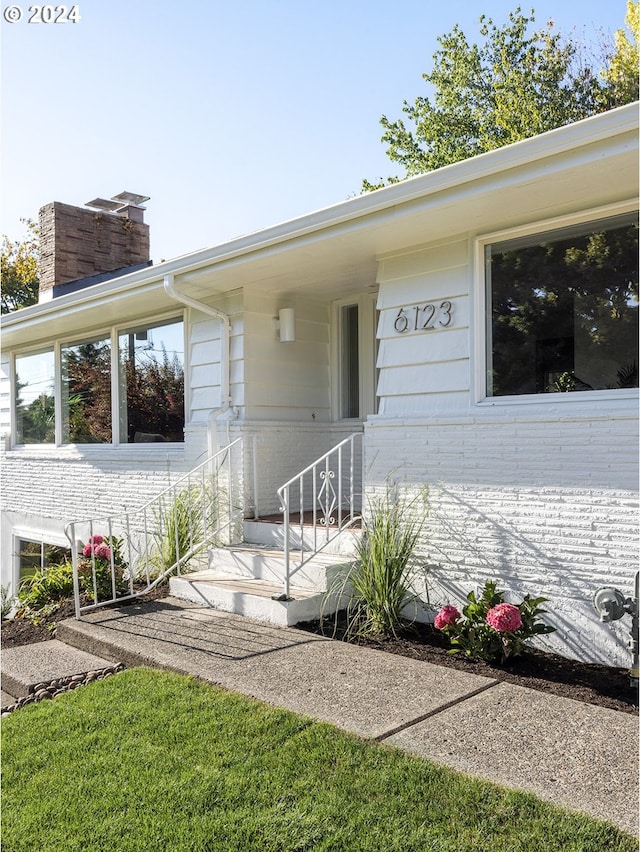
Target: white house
x: 478, y: 324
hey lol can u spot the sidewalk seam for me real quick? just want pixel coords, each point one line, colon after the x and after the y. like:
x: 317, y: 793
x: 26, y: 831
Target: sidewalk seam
x: 435, y: 712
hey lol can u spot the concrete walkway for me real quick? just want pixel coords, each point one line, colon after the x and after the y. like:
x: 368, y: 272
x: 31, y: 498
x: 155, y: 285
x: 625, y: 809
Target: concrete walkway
x: 575, y: 755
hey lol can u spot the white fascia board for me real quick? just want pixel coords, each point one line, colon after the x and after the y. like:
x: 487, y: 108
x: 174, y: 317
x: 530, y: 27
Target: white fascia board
x: 600, y: 128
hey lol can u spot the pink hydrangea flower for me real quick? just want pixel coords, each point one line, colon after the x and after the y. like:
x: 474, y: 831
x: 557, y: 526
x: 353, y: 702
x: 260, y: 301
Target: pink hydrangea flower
x: 447, y: 615
x: 504, y: 618
x: 102, y: 551
x: 87, y: 550
x: 96, y: 539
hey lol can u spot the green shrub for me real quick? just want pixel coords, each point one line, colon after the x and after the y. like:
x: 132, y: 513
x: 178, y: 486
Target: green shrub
x: 492, y: 630
x: 46, y: 586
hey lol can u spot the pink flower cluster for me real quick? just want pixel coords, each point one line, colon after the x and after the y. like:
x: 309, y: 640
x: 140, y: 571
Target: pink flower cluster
x: 448, y: 615
x: 505, y: 618
x: 96, y: 547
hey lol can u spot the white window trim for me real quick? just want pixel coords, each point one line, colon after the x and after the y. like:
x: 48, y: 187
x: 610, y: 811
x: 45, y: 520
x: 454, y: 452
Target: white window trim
x: 112, y: 333
x: 480, y: 318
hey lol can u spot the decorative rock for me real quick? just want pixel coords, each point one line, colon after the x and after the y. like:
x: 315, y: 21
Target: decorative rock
x: 58, y: 686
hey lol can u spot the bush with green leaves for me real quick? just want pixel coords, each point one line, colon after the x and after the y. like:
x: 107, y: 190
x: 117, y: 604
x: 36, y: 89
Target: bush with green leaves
x: 47, y: 585
x: 379, y: 583
x: 492, y: 630
x: 53, y: 583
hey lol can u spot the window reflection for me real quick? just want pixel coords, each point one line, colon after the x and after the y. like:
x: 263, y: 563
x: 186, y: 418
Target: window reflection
x: 152, y: 383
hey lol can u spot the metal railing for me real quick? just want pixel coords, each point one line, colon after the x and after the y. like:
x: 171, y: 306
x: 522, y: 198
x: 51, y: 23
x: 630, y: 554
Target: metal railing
x: 120, y: 557
x: 325, y: 499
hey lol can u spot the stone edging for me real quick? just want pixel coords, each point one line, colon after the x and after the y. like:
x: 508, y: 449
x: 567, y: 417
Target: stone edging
x: 50, y: 689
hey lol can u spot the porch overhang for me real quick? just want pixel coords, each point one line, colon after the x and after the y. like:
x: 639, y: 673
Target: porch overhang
x: 334, y: 252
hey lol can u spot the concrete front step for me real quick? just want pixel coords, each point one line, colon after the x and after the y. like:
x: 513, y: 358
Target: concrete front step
x: 252, y: 597
x: 271, y: 534
x: 27, y: 666
x: 267, y: 563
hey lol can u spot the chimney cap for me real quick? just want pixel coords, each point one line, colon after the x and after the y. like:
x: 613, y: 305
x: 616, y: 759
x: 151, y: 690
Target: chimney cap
x: 104, y: 204
x: 118, y: 202
x: 130, y: 198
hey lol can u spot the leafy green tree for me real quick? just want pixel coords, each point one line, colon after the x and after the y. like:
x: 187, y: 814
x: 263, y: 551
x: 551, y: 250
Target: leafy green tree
x: 19, y: 270
x: 621, y: 75
x: 512, y: 86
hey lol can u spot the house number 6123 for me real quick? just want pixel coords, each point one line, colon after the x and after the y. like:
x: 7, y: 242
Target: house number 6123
x: 423, y: 317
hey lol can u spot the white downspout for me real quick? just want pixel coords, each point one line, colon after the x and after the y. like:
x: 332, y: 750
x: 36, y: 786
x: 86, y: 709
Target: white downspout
x: 225, y: 366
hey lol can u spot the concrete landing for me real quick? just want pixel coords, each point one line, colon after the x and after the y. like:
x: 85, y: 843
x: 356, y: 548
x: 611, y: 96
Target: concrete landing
x: 25, y: 667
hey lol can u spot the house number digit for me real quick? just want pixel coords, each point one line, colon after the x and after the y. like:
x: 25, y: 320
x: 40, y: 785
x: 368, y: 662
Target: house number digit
x: 445, y: 307
x: 402, y: 322
x: 426, y: 317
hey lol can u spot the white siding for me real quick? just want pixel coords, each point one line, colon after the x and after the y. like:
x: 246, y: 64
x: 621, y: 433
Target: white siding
x: 424, y: 370
x: 286, y: 381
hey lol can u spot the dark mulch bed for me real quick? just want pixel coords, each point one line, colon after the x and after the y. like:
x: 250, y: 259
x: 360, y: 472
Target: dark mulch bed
x: 593, y: 684
x: 22, y: 631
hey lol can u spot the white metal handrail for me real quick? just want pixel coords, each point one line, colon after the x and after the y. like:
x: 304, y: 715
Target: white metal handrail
x: 327, y: 496
x: 202, y: 508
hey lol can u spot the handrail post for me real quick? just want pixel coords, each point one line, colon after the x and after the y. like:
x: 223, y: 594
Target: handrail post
x: 287, y: 542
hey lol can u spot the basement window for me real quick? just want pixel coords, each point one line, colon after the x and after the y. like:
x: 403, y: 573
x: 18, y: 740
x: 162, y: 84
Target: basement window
x: 38, y: 555
x: 563, y: 310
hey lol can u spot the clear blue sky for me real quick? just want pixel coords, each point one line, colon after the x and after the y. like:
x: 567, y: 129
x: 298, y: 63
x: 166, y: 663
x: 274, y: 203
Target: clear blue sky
x: 231, y: 116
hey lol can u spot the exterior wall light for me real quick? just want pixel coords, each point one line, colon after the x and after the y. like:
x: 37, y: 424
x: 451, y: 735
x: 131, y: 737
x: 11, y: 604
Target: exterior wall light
x: 286, y: 325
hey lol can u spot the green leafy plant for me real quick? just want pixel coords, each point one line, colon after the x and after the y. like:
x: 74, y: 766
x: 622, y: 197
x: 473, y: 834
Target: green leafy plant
x: 492, y: 630
x: 6, y: 602
x: 379, y: 583
x: 47, y: 585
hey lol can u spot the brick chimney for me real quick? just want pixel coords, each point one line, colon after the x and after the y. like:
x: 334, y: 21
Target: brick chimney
x: 77, y: 243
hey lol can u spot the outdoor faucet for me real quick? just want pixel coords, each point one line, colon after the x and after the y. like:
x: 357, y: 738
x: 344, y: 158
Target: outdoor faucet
x: 611, y: 604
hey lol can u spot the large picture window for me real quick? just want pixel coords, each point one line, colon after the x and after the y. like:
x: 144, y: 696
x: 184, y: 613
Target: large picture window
x: 152, y: 383
x: 86, y: 392
x: 34, y: 400
x: 563, y: 310
x: 122, y: 387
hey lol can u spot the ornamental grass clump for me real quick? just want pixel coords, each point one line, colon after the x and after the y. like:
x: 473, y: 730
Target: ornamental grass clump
x: 492, y: 630
x: 182, y: 525
x: 379, y: 583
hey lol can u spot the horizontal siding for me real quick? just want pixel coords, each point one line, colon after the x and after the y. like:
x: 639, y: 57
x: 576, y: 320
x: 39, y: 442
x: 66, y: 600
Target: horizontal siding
x: 424, y: 369
x: 412, y: 263
x: 286, y: 380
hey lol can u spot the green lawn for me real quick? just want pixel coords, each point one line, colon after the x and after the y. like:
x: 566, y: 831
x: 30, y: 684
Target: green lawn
x: 148, y: 760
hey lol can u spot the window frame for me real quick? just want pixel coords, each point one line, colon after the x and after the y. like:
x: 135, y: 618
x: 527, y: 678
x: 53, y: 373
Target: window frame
x: 111, y: 333
x: 480, y: 347
x: 367, y: 357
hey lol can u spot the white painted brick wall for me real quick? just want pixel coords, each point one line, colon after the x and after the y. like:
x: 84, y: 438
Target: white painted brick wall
x: 559, y: 524
x: 282, y: 450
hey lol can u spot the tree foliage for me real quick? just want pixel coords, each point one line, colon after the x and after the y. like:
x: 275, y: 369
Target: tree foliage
x: 19, y: 270
x: 512, y: 86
